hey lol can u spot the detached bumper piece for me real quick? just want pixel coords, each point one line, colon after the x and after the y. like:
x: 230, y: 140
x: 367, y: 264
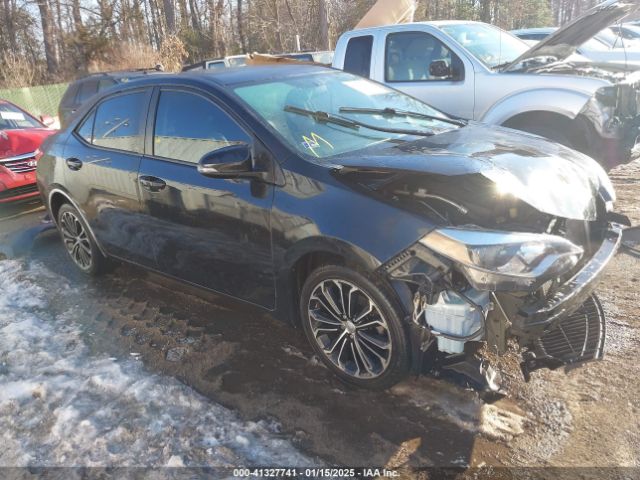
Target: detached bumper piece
x: 578, y: 338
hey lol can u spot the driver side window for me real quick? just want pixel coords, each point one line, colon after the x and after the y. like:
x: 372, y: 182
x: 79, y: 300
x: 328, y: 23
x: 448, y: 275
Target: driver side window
x: 188, y: 126
x: 410, y: 57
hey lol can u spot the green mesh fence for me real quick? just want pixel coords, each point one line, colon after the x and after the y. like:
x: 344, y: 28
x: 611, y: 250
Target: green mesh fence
x: 41, y: 100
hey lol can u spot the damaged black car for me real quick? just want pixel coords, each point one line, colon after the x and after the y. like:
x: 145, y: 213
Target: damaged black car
x: 382, y: 227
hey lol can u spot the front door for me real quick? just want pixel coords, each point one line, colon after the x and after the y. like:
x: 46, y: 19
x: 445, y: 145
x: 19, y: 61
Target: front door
x: 407, y: 61
x: 211, y: 232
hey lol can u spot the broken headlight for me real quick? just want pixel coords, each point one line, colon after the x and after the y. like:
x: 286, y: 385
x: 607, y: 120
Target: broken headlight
x: 504, y: 261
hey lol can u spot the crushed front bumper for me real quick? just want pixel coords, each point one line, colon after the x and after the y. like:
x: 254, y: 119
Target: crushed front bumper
x: 568, y: 327
x: 542, y: 315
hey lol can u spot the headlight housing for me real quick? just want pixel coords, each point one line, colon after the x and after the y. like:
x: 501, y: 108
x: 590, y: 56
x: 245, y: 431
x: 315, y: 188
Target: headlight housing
x: 504, y: 261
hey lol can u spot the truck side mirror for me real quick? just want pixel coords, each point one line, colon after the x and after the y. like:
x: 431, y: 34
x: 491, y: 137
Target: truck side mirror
x: 440, y: 69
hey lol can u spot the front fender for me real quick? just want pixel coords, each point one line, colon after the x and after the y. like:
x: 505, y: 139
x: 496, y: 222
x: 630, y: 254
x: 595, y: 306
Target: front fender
x: 352, y: 254
x: 567, y: 103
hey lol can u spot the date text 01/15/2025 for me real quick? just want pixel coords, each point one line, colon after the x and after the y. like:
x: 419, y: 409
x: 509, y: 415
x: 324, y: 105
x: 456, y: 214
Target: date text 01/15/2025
x: 316, y: 472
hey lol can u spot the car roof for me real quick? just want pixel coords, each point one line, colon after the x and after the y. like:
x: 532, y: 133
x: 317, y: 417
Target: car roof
x: 235, y: 76
x: 535, y: 30
x: 120, y: 74
x: 433, y: 23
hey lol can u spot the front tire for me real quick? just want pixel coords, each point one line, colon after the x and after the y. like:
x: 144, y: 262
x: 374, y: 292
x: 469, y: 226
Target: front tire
x: 79, y: 242
x: 355, y: 326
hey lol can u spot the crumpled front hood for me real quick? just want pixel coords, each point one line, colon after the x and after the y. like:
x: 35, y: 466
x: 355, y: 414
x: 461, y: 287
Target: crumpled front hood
x: 549, y: 177
x: 565, y: 41
x: 20, y: 141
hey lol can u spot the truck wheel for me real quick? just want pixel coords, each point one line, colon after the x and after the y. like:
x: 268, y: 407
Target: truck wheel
x: 355, y: 327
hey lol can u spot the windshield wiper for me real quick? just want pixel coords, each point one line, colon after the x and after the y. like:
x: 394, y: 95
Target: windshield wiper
x: 325, y: 117
x: 394, y: 112
x: 322, y: 117
x: 502, y: 65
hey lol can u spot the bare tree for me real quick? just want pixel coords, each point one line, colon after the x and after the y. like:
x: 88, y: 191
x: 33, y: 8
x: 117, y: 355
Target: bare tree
x: 65, y: 37
x: 169, y: 15
x: 48, y: 36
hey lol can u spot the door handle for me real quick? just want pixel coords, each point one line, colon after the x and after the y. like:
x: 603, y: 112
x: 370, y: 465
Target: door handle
x: 152, y: 184
x: 74, y: 164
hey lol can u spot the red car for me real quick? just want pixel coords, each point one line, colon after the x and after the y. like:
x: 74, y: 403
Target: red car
x: 20, y: 137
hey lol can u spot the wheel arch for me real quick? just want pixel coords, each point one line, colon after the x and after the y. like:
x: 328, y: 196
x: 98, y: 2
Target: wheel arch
x: 567, y: 103
x: 311, y: 253
x: 573, y: 128
x: 57, y: 197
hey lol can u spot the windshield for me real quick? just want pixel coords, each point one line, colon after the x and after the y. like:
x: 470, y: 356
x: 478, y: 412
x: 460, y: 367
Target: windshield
x: 330, y: 91
x: 594, y: 45
x: 491, y: 45
x: 12, y: 118
x: 609, y: 38
x: 632, y: 31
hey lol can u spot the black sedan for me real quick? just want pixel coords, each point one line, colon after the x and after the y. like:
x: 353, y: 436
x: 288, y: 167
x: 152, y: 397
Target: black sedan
x: 386, y: 229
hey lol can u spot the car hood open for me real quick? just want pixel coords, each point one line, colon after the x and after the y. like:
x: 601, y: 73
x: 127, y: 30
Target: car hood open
x: 565, y: 41
x: 549, y: 177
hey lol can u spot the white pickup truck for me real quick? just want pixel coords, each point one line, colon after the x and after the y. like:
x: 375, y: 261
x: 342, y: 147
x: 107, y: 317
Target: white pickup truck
x: 477, y: 71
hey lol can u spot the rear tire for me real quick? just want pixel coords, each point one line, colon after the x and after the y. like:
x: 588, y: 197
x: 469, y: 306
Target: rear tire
x: 355, y: 327
x: 79, y: 243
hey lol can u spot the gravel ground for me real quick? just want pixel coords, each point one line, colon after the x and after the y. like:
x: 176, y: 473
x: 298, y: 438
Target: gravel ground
x: 173, y: 367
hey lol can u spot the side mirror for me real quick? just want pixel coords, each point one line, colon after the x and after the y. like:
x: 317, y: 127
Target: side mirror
x: 47, y: 120
x: 233, y: 161
x: 440, y: 68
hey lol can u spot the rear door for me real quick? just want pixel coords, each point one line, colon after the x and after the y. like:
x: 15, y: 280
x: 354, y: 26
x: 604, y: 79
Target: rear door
x: 212, y: 232
x: 102, y: 158
x: 358, y: 55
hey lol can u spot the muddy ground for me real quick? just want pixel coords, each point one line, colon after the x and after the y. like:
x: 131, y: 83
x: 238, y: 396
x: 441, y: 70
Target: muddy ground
x: 262, y: 369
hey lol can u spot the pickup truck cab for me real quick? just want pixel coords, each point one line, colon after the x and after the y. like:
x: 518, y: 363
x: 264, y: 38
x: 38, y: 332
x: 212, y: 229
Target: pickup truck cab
x: 477, y: 71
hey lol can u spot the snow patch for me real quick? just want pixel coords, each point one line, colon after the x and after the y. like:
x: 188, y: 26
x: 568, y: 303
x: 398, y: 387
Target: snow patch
x: 61, y: 405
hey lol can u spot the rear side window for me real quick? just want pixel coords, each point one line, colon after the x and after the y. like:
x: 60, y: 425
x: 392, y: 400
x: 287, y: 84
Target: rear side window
x: 357, y: 59
x: 69, y: 96
x: 118, y: 123
x: 85, y: 130
x: 86, y: 90
x: 188, y: 126
x: 105, y: 83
